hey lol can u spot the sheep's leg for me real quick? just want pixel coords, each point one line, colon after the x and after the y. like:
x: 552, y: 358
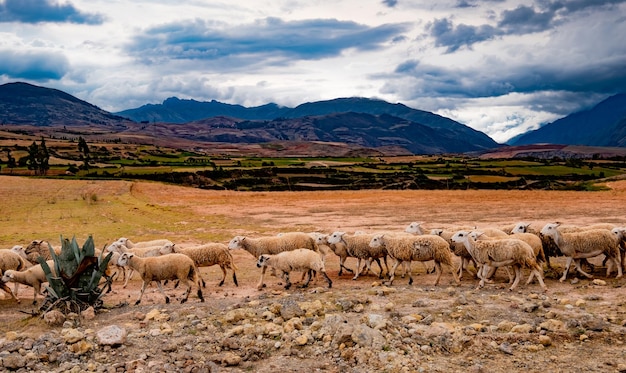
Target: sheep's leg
x: 580, y: 269
x: 235, y: 278
x: 128, y: 278
x: 358, y: 270
x: 160, y: 286
x: 438, y: 271
x: 309, y: 274
x: 342, y: 261
x: 4, y: 287
x: 143, y: 288
x: 330, y: 282
x: 392, y: 273
x: 286, y: 277
x: 537, y: 273
x: 223, y: 276
x: 187, y: 292
x: 518, y: 275
x: 568, y: 263
x: 407, y: 268
x: 452, y: 271
x: 261, y: 285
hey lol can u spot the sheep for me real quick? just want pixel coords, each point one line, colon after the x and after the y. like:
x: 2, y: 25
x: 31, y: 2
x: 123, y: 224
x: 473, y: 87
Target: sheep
x: 458, y: 249
x: 143, y: 252
x: 33, y: 276
x: 131, y: 245
x: 339, y: 249
x: 420, y: 248
x: 11, y: 260
x: 501, y: 252
x: 358, y: 246
x: 620, y: 234
x: 586, y: 244
x: 38, y: 248
x: 415, y: 228
x: 294, y: 260
x: 207, y: 255
x: 166, y: 267
x: 549, y: 247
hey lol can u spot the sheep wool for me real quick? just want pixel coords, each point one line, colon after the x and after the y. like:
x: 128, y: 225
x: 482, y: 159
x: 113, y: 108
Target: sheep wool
x: 295, y: 260
x: 207, y: 255
x: 10, y: 260
x: 358, y: 246
x: 419, y: 248
x: 584, y: 244
x: 33, y: 276
x: 166, y: 267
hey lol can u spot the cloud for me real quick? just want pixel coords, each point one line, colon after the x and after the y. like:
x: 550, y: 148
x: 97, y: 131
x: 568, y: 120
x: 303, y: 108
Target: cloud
x: 390, y: 3
x: 446, y: 35
x: 38, y: 11
x: 266, y: 40
x: 33, y: 65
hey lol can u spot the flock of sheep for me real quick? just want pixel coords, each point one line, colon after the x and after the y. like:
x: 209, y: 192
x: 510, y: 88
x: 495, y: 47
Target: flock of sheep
x: 512, y: 248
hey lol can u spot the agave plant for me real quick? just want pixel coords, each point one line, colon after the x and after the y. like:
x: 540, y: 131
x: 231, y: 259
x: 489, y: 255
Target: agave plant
x: 77, y: 284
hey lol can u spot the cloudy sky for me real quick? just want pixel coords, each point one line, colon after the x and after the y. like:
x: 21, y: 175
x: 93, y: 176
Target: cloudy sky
x: 500, y: 66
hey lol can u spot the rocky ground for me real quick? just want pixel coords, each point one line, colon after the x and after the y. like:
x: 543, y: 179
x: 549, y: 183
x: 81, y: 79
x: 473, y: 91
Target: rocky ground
x: 355, y: 326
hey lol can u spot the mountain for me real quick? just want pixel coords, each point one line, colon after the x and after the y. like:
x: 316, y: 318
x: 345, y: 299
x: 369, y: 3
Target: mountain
x: 602, y: 125
x: 23, y: 103
x: 175, y: 110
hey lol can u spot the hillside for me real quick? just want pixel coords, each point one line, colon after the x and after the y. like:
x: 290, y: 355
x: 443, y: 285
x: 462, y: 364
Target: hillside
x: 602, y: 125
x: 23, y: 103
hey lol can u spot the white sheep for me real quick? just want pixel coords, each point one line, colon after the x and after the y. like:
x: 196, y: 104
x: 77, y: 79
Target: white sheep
x: 358, y: 246
x: 165, y: 267
x: 207, y: 255
x: 10, y: 260
x: 620, y: 234
x: 33, y: 276
x: 143, y: 252
x: 585, y: 244
x: 501, y: 252
x: 295, y: 260
x: 419, y: 248
x: 415, y: 228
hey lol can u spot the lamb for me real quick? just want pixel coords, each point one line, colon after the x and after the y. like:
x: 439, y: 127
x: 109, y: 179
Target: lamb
x: 420, y: 248
x: 273, y: 244
x: 531, y: 239
x: 207, y: 255
x: 10, y: 260
x: 358, y: 246
x: 501, y: 252
x: 166, y: 267
x: 33, y: 276
x: 294, y: 260
x: 586, y: 244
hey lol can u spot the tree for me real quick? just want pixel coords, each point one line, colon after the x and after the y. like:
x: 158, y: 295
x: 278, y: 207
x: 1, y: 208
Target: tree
x: 38, y: 158
x: 84, y: 148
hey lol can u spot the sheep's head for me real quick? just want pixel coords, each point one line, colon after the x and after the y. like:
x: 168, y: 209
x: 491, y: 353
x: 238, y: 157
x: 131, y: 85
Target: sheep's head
x: 7, y: 276
x: 124, y: 259
x: 168, y: 248
x: 262, y: 261
x: 335, y: 237
x: 236, y: 243
x: 377, y: 241
x: 20, y: 250
x: 520, y: 228
x: 550, y: 229
x: 436, y: 231
x: 415, y: 228
x: 460, y: 236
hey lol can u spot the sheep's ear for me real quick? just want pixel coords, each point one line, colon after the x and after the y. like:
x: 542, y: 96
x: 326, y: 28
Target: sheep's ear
x: 558, y: 223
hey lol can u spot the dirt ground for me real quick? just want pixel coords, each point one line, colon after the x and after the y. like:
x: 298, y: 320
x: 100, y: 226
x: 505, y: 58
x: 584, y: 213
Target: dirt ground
x: 257, y: 214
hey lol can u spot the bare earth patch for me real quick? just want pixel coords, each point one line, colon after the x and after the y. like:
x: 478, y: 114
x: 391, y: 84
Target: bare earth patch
x: 480, y: 322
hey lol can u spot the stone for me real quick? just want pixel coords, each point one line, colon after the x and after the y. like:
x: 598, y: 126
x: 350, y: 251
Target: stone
x: 530, y: 307
x: 14, y: 361
x: 111, y: 335
x: 522, y: 328
x: 545, y: 340
x: 552, y: 325
x: 302, y: 340
x: 290, y: 309
x: 580, y: 302
x: 54, y: 318
x: 71, y: 336
x: 599, y: 282
x: 81, y: 347
x: 89, y: 313
x: 583, y: 337
x: 506, y: 348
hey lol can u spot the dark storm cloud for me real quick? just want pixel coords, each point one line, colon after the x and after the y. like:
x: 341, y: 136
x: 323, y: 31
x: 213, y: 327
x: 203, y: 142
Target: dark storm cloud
x: 270, y: 38
x: 524, y: 19
x: 447, y: 35
x: 486, y: 81
x: 38, y: 11
x: 33, y: 65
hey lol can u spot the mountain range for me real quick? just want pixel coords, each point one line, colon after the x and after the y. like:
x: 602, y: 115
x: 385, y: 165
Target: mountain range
x: 355, y: 123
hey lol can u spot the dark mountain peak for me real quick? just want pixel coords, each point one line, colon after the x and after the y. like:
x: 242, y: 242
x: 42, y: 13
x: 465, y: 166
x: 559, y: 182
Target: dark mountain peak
x: 23, y: 103
x: 601, y: 125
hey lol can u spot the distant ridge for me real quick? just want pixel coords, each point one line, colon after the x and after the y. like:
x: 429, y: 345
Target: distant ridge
x: 602, y: 125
